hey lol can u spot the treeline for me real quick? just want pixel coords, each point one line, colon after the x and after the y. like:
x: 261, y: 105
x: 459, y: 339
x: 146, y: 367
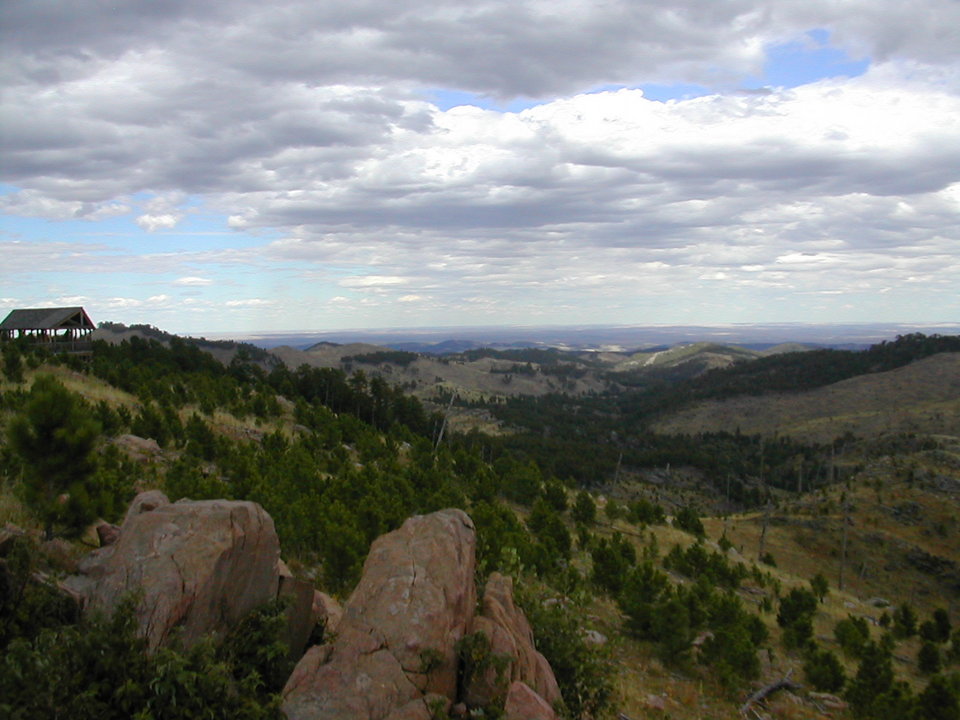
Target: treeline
x: 247, y: 351
x: 549, y: 361
x: 396, y: 357
x: 180, y: 373
x: 787, y: 372
x: 585, y: 440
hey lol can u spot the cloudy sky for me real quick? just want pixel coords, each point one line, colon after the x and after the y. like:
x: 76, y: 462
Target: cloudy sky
x: 308, y: 164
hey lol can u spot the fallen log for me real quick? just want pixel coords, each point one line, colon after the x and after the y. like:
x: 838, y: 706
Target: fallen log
x: 784, y: 683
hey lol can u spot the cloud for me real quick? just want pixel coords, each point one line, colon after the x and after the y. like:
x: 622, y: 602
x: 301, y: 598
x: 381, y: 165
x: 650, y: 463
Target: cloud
x: 191, y: 281
x: 249, y: 303
x: 372, y: 281
x: 307, y: 125
x: 151, y: 223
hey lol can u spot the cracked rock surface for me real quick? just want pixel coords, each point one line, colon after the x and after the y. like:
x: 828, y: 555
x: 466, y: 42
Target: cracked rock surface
x: 395, y: 644
x: 199, y: 565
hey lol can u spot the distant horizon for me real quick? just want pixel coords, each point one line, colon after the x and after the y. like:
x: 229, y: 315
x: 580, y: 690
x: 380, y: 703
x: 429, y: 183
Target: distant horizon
x: 582, y: 336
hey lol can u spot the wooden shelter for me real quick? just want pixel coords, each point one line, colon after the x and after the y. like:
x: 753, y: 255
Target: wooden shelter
x: 66, y: 328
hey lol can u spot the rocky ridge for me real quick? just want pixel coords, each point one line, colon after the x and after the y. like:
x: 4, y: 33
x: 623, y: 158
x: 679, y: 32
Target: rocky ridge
x: 394, y: 651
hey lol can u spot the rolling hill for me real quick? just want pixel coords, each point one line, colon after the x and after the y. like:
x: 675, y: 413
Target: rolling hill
x: 922, y: 397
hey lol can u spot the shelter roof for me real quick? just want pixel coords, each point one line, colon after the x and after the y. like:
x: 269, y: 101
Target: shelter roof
x: 47, y: 319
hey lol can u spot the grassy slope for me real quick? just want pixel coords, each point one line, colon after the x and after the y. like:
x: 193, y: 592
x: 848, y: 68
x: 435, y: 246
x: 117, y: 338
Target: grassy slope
x: 921, y: 397
x: 803, y: 537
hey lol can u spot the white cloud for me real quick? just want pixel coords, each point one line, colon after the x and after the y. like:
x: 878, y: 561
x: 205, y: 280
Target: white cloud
x: 249, y: 303
x: 373, y: 281
x: 166, y: 221
x: 306, y: 127
x: 192, y: 281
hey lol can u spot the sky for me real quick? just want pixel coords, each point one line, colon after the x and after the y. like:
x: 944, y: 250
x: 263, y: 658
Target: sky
x: 244, y: 166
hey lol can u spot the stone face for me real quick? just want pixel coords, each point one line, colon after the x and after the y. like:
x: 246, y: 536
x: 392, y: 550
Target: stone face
x: 200, y: 565
x: 510, y: 634
x: 395, y: 642
x: 524, y: 704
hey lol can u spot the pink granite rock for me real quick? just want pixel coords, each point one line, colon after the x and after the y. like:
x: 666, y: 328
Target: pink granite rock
x: 524, y: 704
x: 395, y: 643
x: 510, y: 635
x: 200, y: 566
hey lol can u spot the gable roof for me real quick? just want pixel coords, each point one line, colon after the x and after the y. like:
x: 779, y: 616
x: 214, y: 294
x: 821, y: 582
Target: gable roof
x: 47, y: 319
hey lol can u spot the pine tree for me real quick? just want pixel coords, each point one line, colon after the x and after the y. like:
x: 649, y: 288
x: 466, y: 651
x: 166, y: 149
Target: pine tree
x: 54, y: 438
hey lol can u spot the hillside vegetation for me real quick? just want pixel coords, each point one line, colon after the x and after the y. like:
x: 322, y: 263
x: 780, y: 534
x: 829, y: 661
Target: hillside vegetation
x: 710, y: 560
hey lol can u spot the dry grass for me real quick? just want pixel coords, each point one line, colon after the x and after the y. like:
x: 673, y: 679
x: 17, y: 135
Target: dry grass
x: 921, y: 397
x: 13, y: 511
x: 804, y: 537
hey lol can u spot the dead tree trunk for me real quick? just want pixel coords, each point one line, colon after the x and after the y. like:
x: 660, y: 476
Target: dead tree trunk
x: 785, y: 683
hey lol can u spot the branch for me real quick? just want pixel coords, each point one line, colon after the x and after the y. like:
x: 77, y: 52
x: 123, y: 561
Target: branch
x: 784, y: 683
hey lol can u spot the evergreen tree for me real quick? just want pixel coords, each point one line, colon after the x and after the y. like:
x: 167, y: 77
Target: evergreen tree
x: 874, y: 678
x: 54, y: 437
x: 585, y: 509
x: 824, y: 671
x: 928, y: 659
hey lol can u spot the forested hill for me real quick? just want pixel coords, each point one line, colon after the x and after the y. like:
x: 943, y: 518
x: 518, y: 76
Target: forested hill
x: 791, y: 372
x: 811, y: 369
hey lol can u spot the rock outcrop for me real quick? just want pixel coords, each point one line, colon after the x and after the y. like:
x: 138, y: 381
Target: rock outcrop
x: 198, y: 565
x: 511, y: 637
x: 394, y: 652
x: 524, y: 704
x: 390, y: 653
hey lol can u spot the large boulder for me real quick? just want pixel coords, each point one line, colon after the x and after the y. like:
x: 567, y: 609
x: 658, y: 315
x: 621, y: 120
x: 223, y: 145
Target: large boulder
x: 524, y: 704
x: 396, y: 641
x: 200, y: 566
x: 355, y: 678
x: 510, y: 637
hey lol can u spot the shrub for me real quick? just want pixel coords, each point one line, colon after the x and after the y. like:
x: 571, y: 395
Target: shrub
x: 873, y: 679
x: 688, y: 520
x: 644, y: 512
x: 904, y: 621
x: 476, y: 657
x: 938, y: 628
x: 584, y: 672
x: 612, y: 561
x: 99, y: 668
x: 940, y: 700
x: 824, y: 671
x: 819, y: 585
x: 928, y: 658
x: 796, y: 617
x: 644, y: 588
x: 584, y: 509
x: 852, y: 633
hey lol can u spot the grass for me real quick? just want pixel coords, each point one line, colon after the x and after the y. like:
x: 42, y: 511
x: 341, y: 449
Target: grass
x: 13, y: 511
x: 921, y: 397
x: 804, y: 537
